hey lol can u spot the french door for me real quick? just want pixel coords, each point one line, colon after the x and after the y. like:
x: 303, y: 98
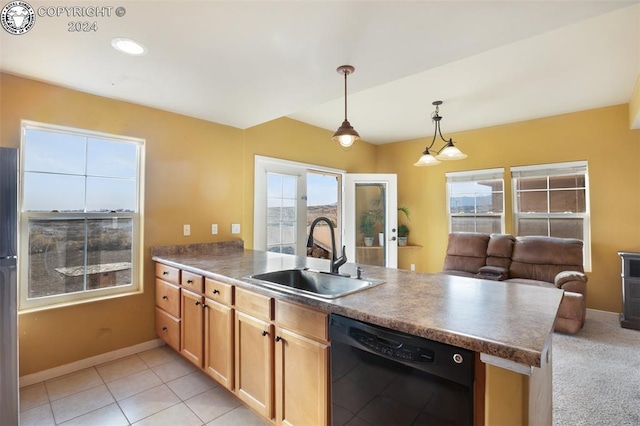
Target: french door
x: 371, y: 219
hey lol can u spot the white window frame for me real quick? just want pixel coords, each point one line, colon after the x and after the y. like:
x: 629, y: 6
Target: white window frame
x: 88, y: 295
x: 263, y: 165
x: 554, y: 170
x: 475, y: 176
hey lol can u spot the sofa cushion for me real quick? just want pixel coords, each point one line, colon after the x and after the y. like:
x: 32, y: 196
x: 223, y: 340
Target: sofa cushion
x: 542, y: 258
x: 466, y: 251
x: 499, y: 250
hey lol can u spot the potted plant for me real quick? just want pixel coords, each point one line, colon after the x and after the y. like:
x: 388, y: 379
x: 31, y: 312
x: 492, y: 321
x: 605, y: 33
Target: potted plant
x: 403, y: 234
x: 368, y: 226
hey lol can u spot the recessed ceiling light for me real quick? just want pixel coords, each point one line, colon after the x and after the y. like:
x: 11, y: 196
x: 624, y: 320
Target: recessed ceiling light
x: 128, y: 46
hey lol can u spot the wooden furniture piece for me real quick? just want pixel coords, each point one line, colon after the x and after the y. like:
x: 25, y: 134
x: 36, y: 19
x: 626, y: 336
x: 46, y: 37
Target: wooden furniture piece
x: 273, y: 354
x: 630, y: 316
x: 218, y: 332
x: 168, y: 305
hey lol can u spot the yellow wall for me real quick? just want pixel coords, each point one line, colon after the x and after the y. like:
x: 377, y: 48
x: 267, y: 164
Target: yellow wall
x: 600, y: 136
x: 200, y: 173
x: 193, y: 175
x: 197, y: 172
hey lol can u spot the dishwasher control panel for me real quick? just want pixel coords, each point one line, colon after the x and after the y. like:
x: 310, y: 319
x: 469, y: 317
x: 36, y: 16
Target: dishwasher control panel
x: 391, y: 348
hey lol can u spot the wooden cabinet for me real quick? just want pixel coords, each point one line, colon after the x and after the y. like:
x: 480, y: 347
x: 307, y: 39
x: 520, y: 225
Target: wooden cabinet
x: 192, y: 327
x: 273, y: 354
x: 218, y: 332
x: 168, y: 305
x: 301, y: 365
x: 254, y: 351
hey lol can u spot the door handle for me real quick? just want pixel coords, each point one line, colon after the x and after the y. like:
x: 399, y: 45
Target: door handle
x: 392, y: 239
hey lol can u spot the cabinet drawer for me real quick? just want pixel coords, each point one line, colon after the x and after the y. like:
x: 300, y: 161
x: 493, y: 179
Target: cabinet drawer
x: 193, y: 282
x: 254, y: 304
x: 220, y: 292
x: 168, y: 328
x: 303, y: 320
x: 168, y: 297
x: 168, y: 273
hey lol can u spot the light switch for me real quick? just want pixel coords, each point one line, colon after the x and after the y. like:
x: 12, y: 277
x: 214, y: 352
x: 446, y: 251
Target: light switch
x: 186, y: 230
x: 235, y: 228
x: 214, y: 229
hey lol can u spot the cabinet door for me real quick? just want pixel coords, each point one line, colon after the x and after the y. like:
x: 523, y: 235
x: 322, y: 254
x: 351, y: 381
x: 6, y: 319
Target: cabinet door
x: 254, y: 363
x: 218, y: 342
x: 192, y: 323
x: 301, y: 371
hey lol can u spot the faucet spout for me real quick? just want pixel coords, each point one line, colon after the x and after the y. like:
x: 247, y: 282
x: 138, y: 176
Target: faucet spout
x: 336, y: 262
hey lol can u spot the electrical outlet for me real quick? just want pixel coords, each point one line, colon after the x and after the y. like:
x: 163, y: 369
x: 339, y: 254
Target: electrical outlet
x: 186, y: 230
x: 413, y: 266
x: 214, y: 229
x: 235, y: 228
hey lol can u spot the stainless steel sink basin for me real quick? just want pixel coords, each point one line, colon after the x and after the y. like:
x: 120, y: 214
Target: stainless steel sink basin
x: 314, y: 283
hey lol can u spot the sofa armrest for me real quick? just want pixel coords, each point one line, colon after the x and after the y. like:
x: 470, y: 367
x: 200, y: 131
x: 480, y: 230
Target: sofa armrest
x: 495, y: 273
x: 573, y: 281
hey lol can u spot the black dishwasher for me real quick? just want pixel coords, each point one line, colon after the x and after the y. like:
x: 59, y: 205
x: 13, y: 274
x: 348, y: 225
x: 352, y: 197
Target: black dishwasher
x: 384, y: 377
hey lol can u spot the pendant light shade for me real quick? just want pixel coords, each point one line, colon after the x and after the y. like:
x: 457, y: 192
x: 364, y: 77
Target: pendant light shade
x: 448, y: 152
x: 346, y: 135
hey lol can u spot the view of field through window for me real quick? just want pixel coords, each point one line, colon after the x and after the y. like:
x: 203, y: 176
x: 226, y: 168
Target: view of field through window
x: 79, y: 201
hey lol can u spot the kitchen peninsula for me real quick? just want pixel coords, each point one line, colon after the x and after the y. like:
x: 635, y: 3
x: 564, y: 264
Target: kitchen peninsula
x: 508, y: 326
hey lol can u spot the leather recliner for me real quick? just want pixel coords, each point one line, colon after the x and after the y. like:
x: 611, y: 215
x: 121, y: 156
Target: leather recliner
x: 532, y: 260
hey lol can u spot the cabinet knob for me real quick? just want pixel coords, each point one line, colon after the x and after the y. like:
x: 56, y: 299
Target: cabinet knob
x: 189, y: 281
x: 278, y: 338
x: 216, y: 291
x: 164, y: 297
x: 164, y: 328
x: 165, y: 272
x: 264, y: 332
x: 197, y: 303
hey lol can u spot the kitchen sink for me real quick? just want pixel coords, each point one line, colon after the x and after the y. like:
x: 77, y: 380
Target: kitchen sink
x: 314, y: 283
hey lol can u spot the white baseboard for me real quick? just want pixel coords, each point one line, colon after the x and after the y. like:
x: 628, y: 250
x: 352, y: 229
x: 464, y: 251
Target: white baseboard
x: 72, y: 367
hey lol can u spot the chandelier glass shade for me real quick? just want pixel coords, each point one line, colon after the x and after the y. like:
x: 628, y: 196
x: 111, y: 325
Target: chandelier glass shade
x: 448, y: 152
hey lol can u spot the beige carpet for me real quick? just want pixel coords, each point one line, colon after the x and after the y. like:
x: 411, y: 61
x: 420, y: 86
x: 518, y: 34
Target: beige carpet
x: 596, y: 374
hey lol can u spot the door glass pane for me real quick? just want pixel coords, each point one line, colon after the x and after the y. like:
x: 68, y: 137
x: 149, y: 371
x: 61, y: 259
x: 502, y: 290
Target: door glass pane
x: 323, y: 192
x: 281, y: 213
x: 370, y: 223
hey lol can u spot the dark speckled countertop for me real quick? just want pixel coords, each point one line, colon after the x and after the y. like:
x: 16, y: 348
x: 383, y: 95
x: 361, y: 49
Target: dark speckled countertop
x: 509, y: 321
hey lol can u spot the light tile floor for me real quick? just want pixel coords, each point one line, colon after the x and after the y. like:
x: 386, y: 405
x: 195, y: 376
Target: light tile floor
x: 152, y: 388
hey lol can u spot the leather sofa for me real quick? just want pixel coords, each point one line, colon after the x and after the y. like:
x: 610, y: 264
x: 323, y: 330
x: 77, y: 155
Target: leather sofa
x: 531, y: 260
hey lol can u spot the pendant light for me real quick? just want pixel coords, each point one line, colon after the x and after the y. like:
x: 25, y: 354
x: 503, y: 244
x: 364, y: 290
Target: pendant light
x: 346, y: 135
x: 447, y: 152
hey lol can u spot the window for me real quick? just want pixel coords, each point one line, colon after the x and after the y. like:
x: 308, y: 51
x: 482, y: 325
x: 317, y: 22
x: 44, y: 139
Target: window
x: 553, y: 200
x: 476, y: 201
x: 288, y: 197
x: 80, y: 225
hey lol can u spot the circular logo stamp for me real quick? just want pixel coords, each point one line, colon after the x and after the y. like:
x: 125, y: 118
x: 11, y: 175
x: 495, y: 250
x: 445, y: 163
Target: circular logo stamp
x: 17, y: 17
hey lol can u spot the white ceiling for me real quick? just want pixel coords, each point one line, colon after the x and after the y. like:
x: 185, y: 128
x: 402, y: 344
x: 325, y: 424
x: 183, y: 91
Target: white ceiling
x: 244, y: 63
